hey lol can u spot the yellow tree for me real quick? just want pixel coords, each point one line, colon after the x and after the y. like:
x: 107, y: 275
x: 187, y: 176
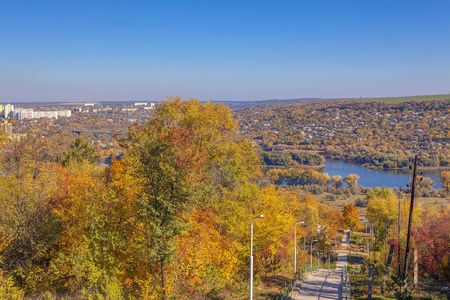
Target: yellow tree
x: 382, y: 207
x: 205, y: 257
x: 351, y: 180
x: 423, y: 184
x: 273, y: 235
x: 277, y: 175
x: 445, y: 180
x: 276, y: 229
x: 350, y: 217
x: 382, y: 210
x: 325, y: 179
x: 336, y: 181
x: 27, y: 225
x: 84, y: 208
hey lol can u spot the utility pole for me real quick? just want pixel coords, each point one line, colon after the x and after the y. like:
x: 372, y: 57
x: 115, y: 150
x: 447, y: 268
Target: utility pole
x: 416, y: 269
x: 405, y: 282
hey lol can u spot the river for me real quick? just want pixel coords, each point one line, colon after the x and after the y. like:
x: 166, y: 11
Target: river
x: 381, y: 178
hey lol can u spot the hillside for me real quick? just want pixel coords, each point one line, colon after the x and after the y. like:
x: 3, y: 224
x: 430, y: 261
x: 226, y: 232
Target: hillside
x: 373, y: 134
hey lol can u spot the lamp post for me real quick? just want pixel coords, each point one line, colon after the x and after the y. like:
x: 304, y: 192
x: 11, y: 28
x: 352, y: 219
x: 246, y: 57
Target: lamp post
x: 311, y: 249
x: 318, y: 258
x: 335, y: 241
x: 295, y: 246
x: 251, y: 255
x: 318, y: 231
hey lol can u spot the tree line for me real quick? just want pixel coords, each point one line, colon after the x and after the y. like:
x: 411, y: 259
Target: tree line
x: 291, y: 158
x: 170, y: 219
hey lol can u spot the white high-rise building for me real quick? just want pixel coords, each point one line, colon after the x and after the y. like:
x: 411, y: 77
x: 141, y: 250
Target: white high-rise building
x: 8, y: 111
x: 22, y: 114
x: 64, y: 113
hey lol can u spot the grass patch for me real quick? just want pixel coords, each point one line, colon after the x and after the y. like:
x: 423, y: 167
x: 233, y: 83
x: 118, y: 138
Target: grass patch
x: 408, y: 98
x: 342, y: 200
x: 355, y: 259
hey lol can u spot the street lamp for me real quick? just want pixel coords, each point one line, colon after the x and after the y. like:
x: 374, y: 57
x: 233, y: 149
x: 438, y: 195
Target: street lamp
x: 251, y: 256
x: 295, y: 246
x: 311, y: 249
x: 318, y: 231
x: 318, y: 257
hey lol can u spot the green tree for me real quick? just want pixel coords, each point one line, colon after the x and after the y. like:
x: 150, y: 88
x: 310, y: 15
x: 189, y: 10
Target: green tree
x: 166, y: 165
x: 79, y: 152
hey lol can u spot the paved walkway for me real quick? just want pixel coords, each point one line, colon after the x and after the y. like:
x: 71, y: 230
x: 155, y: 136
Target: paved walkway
x: 324, y: 283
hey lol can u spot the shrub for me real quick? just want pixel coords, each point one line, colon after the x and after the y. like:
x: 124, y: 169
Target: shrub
x: 361, y: 202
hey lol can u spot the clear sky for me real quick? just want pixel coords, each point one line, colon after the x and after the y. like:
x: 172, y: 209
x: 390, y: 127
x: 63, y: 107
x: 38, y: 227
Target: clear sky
x: 67, y: 50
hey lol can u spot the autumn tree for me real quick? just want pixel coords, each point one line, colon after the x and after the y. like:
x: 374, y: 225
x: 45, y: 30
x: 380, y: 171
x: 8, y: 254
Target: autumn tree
x: 336, y: 181
x: 351, y: 180
x: 325, y: 179
x: 231, y: 159
x: 167, y: 165
x: 382, y: 207
x: 423, y: 184
x: 198, y: 263
x: 445, y: 181
x: 350, y: 217
x: 433, y: 241
x: 187, y: 155
x: 27, y: 226
x: 95, y: 233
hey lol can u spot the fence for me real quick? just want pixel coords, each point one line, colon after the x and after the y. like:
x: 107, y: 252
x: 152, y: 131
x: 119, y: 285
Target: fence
x: 288, y: 287
x: 345, y: 282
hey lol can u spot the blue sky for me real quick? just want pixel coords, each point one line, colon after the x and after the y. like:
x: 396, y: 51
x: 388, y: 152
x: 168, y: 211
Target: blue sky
x: 222, y: 50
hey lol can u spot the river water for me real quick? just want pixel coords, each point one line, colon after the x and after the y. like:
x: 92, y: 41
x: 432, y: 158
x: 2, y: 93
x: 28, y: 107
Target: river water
x: 381, y: 178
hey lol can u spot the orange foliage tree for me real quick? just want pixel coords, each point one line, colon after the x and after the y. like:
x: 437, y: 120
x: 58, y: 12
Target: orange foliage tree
x: 350, y: 217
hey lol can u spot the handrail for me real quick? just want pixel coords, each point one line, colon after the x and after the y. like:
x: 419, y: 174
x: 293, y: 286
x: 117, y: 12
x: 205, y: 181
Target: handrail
x: 289, y: 287
x: 345, y: 279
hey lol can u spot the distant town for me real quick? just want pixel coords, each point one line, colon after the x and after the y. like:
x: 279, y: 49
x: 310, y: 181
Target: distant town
x: 93, y: 121
x: 114, y: 113
x: 8, y: 111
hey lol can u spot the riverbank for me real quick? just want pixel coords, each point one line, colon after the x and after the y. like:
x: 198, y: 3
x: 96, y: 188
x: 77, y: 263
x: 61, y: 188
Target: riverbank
x: 407, y: 169
x: 317, y: 168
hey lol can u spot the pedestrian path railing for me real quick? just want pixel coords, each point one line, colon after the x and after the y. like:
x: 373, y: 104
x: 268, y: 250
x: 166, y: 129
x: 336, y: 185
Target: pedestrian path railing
x: 302, y: 273
x: 345, y: 283
x: 288, y: 287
